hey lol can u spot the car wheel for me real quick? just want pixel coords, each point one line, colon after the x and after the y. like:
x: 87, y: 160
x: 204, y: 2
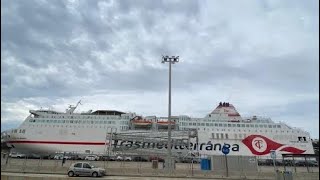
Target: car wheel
x: 70, y: 173
x: 95, y: 174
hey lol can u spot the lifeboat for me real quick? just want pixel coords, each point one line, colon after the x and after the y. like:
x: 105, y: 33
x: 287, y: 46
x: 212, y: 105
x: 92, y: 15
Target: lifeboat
x: 165, y: 123
x: 141, y: 122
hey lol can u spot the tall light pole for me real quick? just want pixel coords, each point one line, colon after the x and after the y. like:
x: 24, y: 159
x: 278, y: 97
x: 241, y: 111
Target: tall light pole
x: 170, y: 60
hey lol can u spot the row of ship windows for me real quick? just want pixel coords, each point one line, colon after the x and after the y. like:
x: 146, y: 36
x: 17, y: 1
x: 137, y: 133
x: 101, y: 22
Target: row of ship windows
x: 231, y: 125
x: 214, y: 135
x: 242, y: 136
x: 75, y: 121
x: 82, y: 117
x: 75, y: 126
x: 239, y: 130
x: 218, y: 120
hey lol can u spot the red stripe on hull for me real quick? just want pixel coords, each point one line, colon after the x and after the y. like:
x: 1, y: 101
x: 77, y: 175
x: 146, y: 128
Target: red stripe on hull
x: 58, y: 142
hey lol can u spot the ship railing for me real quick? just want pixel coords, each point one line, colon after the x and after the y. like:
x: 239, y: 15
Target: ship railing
x: 295, y: 128
x: 156, y: 134
x: 283, y: 123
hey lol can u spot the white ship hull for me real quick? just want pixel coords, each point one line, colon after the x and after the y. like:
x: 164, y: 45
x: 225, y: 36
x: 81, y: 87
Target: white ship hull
x: 86, y: 136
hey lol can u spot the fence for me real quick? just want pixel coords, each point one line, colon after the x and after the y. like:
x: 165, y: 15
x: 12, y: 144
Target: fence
x: 143, y: 165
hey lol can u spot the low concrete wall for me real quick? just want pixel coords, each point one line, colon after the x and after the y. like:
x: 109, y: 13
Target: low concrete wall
x: 26, y: 177
x: 142, y: 169
x: 313, y: 176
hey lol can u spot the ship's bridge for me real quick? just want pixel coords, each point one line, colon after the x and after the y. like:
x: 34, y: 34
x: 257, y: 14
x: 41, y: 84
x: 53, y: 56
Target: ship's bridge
x: 41, y: 112
x: 108, y: 112
x: 225, y: 111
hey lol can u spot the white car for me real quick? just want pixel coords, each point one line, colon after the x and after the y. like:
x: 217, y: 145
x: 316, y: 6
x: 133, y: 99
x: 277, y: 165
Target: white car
x: 17, y: 155
x: 91, y: 158
x: 126, y: 158
x: 86, y: 169
x: 60, y: 156
x: 119, y: 158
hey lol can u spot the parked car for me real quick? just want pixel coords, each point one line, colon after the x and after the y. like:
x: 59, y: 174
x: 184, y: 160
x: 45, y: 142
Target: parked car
x: 300, y: 163
x: 60, y: 156
x: 104, y: 158
x: 269, y: 162
x: 288, y: 162
x: 262, y: 162
x: 47, y: 156
x: 74, y: 157
x: 17, y: 155
x: 140, y: 159
x: 310, y: 163
x: 85, y: 169
x: 119, y: 158
x: 125, y: 158
x: 107, y: 158
x: 313, y: 163
x: 113, y: 158
x: 33, y: 156
x: 91, y: 158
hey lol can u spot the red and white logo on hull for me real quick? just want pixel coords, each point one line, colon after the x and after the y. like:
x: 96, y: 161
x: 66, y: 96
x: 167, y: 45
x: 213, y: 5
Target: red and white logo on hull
x: 260, y: 145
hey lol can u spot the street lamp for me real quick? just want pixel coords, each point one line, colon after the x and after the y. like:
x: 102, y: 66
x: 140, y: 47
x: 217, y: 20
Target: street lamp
x: 170, y: 60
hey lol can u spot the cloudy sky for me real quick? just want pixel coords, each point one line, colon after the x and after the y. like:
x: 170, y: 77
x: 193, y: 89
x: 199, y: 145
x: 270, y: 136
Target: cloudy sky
x: 261, y: 56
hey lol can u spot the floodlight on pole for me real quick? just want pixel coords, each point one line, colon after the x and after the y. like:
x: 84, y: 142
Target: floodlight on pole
x: 170, y: 60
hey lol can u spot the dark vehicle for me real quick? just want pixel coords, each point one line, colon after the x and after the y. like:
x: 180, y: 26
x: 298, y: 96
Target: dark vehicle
x: 74, y: 157
x: 106, y: 158
x: 310, y: 163
x: 47, y: 156
x: 278, y: 163
x: 85, y: 169
x: 33, y: 156
x: 261, y: 162
x: 269, y: 162
x: 288, y: 163
x: 313, y: 163
x: 113, y: 158
x: 140, y: 159
x: 300, y: 163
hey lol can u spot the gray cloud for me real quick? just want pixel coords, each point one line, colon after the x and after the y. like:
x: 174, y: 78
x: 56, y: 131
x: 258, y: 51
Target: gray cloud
x: 229, y: 50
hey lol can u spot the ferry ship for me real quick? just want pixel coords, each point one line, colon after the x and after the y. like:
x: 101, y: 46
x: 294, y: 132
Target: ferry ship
x: 48, y: 131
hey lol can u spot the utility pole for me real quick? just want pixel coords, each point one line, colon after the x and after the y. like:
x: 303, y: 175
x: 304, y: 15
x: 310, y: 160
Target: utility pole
x: 170, y: 60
